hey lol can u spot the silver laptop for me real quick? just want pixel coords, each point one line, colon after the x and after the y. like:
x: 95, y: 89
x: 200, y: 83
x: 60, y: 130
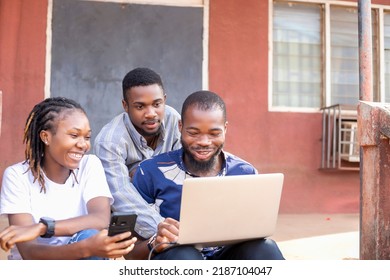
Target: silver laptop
x: 223, y: 210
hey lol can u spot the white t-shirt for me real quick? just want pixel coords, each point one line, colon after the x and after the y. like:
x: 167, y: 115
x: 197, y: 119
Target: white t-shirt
x: 19, y: 194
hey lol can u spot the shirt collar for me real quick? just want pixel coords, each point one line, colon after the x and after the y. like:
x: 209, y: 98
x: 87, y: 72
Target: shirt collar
x: 138, y: 139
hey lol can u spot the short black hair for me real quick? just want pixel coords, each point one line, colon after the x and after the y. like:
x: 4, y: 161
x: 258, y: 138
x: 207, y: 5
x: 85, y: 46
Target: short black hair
x: 140, y: 76
x: 204, y: 100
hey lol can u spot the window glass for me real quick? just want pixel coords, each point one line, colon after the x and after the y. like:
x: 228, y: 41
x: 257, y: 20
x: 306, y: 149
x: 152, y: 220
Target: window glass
x: 297, y: 55
x: 344, y: 55
x: 299, y: 48
x: 344, y: 32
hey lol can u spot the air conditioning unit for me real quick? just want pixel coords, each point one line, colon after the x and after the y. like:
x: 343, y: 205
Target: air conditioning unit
x: 350, y: 150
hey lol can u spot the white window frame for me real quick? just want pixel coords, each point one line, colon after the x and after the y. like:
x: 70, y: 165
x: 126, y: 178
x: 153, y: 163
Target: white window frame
x: 327, y: 56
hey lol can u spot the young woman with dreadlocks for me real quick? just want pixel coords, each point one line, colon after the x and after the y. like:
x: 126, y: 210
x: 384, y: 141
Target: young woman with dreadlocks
x: 57, y: 200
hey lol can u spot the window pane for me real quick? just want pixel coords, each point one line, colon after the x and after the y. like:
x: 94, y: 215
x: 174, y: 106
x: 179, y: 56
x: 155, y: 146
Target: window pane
x: 387, y: 55
x: 344, y: 55
x: 297, y: 56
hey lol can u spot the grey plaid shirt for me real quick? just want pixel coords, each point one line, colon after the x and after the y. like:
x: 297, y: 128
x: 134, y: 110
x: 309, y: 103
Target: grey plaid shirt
x: 121, y: 148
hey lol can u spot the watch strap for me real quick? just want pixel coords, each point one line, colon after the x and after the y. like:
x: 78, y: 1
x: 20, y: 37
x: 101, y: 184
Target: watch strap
x: 151, y: 243
x: 50, y: 226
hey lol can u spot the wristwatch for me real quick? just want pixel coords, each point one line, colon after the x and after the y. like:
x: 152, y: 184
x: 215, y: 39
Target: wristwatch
x: 50, y: 225
x: 151, y: 242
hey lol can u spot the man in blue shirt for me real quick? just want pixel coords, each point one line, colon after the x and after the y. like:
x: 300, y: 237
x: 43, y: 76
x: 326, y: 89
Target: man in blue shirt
x: 159, y: 180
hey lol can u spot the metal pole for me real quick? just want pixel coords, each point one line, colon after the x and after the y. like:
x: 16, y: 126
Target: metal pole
x: 365, y: 50
x: 365, y: 94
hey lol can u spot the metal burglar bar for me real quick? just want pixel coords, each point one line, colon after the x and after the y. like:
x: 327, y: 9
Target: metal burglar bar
x: 340, y: 148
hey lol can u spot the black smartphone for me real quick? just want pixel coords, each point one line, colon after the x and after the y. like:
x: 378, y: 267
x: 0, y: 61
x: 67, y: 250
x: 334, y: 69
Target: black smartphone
x: 122, y: 222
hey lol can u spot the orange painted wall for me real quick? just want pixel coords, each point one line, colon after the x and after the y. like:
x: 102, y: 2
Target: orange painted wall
x: 238, y: 70
x: 22, y: 70
x: 273, y: 141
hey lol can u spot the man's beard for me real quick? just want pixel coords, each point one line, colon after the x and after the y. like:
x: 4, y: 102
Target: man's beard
x: 200, y: 166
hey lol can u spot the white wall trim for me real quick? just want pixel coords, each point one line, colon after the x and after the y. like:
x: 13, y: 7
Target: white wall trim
x: 334, y: 2
x: 206, y: 29
x: 327, y: 52
x: 183, y: 3
x: 48, y: 49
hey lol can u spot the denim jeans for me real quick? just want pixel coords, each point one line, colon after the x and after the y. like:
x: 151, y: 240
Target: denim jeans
x: 258, y: 249
x: 84, y: 234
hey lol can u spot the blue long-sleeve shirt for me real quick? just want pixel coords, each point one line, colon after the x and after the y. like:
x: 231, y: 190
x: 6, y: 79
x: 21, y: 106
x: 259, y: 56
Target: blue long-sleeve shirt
x: 159, y: 180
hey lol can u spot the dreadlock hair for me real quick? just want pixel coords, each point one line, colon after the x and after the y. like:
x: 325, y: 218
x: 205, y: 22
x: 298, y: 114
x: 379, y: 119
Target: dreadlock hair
x: 43, y: 116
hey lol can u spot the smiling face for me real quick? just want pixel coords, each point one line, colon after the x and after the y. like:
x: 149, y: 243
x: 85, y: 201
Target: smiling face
x: 66, y: 144
x: 203, y: 136
x: 145, y: 106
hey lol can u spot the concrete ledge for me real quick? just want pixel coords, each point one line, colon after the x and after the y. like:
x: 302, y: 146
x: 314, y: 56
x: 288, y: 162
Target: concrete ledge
x: 306, y: 236
x: 318, y: 236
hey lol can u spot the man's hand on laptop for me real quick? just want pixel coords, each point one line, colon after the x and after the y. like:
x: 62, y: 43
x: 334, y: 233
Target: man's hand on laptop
x: 167, y: 234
